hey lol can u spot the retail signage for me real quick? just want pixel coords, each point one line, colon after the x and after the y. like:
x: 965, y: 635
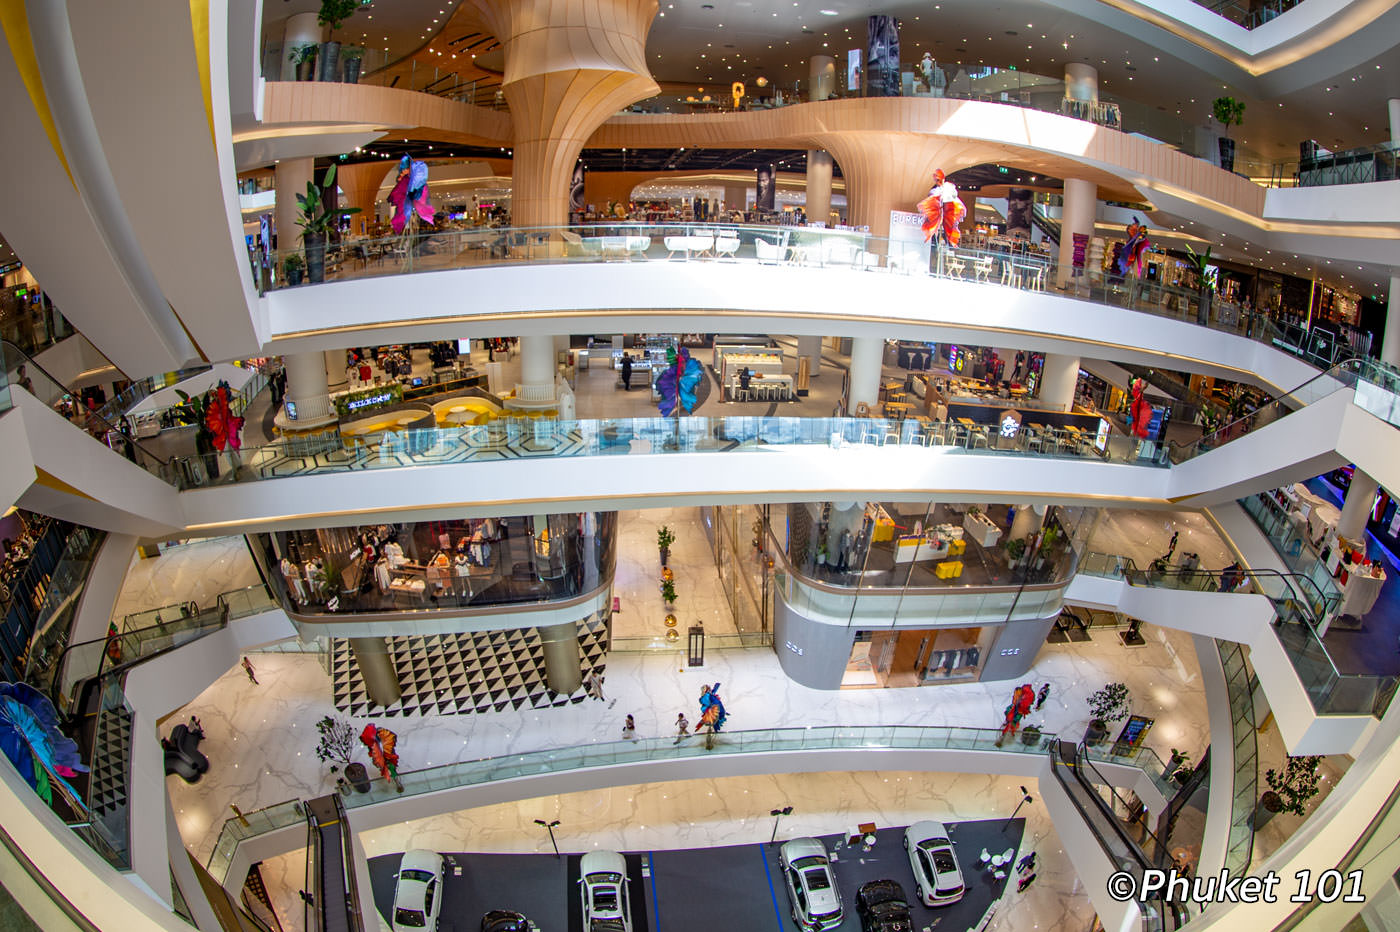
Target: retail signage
x: 1101, y: 439
x: 1018, y: 212
x: 577, y: 207
x: 358, y: 403
x: 793, y: 647
x: 9, y: 267
x: 882, y: 56
x: 1010, y: 651
x: 291, y: 410
x: 853, y: 70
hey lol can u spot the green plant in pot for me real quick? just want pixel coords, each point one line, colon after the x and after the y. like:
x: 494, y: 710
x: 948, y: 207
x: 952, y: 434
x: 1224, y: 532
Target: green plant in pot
x: 1106, y: 706
x: 351, y: 58
x: 337, y: 742
x: 668, y: 591
x: 1030, y: 735
x: 1015, y: 550
x: 664, y: 539
x: 1205, y: 283
x: 333, y: 13
x: 316, y: 220
x: 1290, y: 788
x: 294, y: 269
x: 305, y: 58
x: 1228, y: 112
x: 1179, y: 767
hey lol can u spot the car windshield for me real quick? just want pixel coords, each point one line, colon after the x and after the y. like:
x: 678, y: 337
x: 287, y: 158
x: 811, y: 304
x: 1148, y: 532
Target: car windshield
x: 412, y: 918
x: 606, y: 925
x: 605, y: 900
x: 604, y: 877
x: 414, y: 873
x: 817, y: 879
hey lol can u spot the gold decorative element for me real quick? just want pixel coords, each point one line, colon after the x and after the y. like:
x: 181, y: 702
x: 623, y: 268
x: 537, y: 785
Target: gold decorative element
x: 670, y: 621
x: 199, y: 24
x: 672, y: 634
x: 14, y: 20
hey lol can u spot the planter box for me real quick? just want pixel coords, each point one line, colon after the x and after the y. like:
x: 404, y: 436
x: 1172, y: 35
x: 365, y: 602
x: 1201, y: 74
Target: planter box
x: 981, y: 529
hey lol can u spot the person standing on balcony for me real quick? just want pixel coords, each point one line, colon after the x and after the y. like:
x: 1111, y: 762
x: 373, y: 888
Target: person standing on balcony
x: 626, y: 372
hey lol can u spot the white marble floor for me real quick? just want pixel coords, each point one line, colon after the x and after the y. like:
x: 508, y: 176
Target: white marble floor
x: 734, y: 811
x: 1144, y: 536
x: 196, y: 571
x: 636, y: 583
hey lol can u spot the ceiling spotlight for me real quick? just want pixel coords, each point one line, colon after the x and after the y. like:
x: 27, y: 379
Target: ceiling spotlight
x: 829, y: 13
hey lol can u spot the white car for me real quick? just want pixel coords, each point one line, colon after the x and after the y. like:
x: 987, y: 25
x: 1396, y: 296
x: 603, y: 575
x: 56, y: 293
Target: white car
x: 603, y: 887
x: 418, y: 891
x: 938, y: 881
x: 816, y: 903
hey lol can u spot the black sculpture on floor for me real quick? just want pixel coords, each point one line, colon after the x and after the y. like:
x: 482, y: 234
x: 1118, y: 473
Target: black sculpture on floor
x: 182, y: 754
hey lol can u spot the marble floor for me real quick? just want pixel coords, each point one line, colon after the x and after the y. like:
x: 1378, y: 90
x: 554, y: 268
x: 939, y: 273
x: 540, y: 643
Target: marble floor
x: 636, y: 583
x: 734, y: 810
x: 1144, y: 536
x: 196, y: 571
x: 1269, y: 837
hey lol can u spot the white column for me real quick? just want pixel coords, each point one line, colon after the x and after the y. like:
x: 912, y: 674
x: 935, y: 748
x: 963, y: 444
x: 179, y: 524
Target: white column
x: 1393, y: 105
x: 818, y: 204
x: 1081, y: 205
x: 336, y: 370
x: 821, y: 77
x: 1356, y: 510
x: 811, y: 347
x: 1390, y: 338
x: 867, y: 357
x: 1058, y: 378
x: 302, y: 29
x: 1081, y: 81
x: 306, y: 388
x: 292, y: 176
x: 536, y: 368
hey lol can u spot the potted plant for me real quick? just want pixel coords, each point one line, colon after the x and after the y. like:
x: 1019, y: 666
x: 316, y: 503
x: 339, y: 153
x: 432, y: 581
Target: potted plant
x: 351, y: 57
x: 1106, y: 706
x: 333, y: 14
x: 664, y: 539
x: 1179, y: 767
x: 305, y: 58
x: 668, y: 592
x: 1015, y: 550
x: 1205, y: 283
x: 1228, y: 112
x: 316, y: 220
x: 1030, y: 735
x: 1289, y: 789
x: 294, y: 268
x: 338, y: 740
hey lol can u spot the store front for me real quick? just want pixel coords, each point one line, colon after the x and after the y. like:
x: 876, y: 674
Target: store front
x: 734, y: 533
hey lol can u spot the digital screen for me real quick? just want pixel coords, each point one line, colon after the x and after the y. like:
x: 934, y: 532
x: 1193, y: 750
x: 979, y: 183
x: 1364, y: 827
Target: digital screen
x: 1101, y: 440
x: 417, y: 381
x: 291, y: 410
x: 464, y: 347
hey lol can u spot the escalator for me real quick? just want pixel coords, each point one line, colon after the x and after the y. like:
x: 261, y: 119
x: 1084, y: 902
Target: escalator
x: 334, y: 905
x: 1042, y: 221
x: 1132, y: 847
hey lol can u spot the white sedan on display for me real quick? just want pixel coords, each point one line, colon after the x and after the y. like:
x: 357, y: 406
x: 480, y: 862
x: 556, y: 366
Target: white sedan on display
x: 418, y: 891
x: 603, y: 887
x: 816, y: 903
x: 938, y: 881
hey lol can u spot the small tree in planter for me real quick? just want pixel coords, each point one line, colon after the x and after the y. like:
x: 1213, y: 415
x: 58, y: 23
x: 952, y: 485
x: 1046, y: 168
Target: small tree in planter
x: 1179, y: 767
x: 294, y: 269
x: 1289, y: 789
x: 305, y: 58
x: 1106, y: 706
x: 1030, y: 735
x: 1015, y: 550
x: 333, y: 13
x: 1228, y: 112
x: 338, y: 740
x: 316, y: 220
x: 664, y: 539
x: 1205, y: 283
x: 351, y: 58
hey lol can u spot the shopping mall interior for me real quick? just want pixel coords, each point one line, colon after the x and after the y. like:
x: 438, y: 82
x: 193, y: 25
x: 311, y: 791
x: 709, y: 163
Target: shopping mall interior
x: 487, y: 464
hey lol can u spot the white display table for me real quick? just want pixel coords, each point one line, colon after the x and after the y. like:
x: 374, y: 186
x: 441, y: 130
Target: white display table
x: 981, y: 529
x: 1360, y: 592
x: 908, y: 549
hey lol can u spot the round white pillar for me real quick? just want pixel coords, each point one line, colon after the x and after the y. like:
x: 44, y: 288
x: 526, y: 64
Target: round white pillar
x: 336, y: 380
x: 536, y: 369
x: 821, y: 77
x: 867, y: 357
x: 1077, y: 216
x: 1082, y: 81
x: 292, y: 176
x: 301, y: 29
x: 307, y: 390
x: 1058, y: 378
x: 811, y: 347
x: 1390, y: 338
x: 1356, y: 510
x: 818, y: 205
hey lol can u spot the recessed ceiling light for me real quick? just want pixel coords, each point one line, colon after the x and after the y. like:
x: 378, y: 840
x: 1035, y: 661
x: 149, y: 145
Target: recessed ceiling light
x: 829, y: 13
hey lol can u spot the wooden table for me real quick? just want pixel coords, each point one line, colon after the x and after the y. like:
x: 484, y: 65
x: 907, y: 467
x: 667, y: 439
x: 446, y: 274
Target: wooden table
x: 900, y: 407
x: 967, y: 422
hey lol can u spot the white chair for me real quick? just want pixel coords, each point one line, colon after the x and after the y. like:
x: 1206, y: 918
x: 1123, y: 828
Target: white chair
x: 638, y: 246
x: 982, y: 269
x: 1036, y: 273
x: 675, y: 244
x: 575, y: 245
x: 726, y: 245
x: 984, y: 858
x: 767, y: 252
x: 838, y: 253
x: 702, y: 244
x: 954, y: 265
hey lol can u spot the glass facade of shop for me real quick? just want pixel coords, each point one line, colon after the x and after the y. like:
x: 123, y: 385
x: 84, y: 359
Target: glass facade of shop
x: 736, y: 535
x: 445, y: 564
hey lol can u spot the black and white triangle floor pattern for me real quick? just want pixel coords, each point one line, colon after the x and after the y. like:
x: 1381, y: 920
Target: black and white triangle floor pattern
x: 456, y: 674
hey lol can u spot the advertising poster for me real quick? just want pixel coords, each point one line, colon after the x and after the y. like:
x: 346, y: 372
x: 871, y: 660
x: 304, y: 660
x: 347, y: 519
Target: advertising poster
x: 1018, y: 212
x: 908, y: 251
x: 766, y: 198
x: 576, y: 204
x: 1101, y: 439
x: 853, y: 58
x: 882, y: 56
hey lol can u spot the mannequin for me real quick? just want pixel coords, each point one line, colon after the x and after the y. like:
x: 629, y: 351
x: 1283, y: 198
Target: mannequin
x: 293, y: 577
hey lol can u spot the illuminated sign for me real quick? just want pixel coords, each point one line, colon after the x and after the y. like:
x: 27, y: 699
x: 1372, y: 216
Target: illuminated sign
x: 357, y: 404
x: 1101, y: 440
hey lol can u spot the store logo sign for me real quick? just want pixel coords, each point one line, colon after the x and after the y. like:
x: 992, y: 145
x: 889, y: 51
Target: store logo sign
x: 359, y: 403
x: 793, y: 647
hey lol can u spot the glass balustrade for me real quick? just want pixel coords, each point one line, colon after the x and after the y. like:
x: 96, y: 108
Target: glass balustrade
x: 607, y: 754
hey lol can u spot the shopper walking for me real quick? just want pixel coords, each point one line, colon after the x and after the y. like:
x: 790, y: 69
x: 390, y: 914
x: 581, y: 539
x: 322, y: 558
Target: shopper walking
x: 682, y: 728
x: 1171, y: 546
x: 1026, y: 863
x: 248, y: 669
x: 626, y: 372
x: 629, y: 730
x: 594, y: 686
x: 1026, y: 881
x: 1042, y: 696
